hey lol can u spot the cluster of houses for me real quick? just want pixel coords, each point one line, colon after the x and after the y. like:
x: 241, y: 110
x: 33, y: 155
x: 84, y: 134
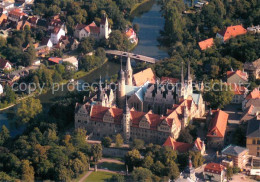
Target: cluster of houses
x: 228, y: 33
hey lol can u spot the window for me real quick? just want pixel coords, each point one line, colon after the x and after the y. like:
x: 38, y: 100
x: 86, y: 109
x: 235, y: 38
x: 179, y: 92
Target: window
x: 258, y: 154
x: 258, y: 141
x: 253, y: 141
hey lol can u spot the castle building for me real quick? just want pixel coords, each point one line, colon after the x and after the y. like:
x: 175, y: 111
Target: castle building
x: 151, y: 112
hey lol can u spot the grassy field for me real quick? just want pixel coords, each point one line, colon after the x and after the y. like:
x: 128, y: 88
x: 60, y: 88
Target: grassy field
x: 112, y: 166
x: 98, y: 176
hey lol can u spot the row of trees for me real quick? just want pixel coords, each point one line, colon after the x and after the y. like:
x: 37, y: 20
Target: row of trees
x: 42, y: 152
x: 158, y: 162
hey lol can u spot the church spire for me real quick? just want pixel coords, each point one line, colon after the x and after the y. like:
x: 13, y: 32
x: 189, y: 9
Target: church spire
x: 129, y: 72
x: 188, y: 72
x: 182, y: 74
x: 126, y: 108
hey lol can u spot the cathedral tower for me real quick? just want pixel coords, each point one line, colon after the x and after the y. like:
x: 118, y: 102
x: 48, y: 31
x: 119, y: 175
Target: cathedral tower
x: 126, y: 122
x: 121, y: 87
x: 129, y: 72
x: 189, y: 82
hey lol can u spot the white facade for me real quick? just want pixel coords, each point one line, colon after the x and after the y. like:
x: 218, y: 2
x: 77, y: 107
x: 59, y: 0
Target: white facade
x: 73, y: 60
x: 55, y: 37
x: 1, y: 89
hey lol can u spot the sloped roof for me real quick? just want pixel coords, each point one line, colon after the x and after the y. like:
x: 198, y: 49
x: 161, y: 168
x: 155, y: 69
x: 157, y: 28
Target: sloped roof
x: 55, y: 59
x: 165, y: 80
x: 179, y: 146
x: 17, y: 12
x: 238, y: 89
x: 255, y: 94
x: 233, y: 150
x: 3, y: 63
x: 218, y: 124
x: 253, y: 128
x: 214, y: 168
x: 142, y: 77
x: 92, y: 28
x: 254, y: 102
x: 206, y: 43
x: 252, y: 65
x: 241, y: 74
x: 232, y: 31
x: 130, y: 32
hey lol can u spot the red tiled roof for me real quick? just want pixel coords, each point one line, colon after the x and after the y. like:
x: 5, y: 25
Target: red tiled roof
x: 218, y: 124
x: 241, y: 74
x: 80, y: 26
x: 130, y: 32
x: 255, y: 94
x: 92, y: 28
x: 238, y: 89
x: 143, y: 76
x: 55, y: 59
x: 232, y: 31
x: 198, y: 143
x: 206, y: 43
x: 214, y: 168
x: 33, y: 20
x: 179, y: 146
x: 169, y: 80
x: 17, y: 12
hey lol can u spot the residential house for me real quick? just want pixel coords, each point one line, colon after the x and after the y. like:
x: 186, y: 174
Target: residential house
x: 217, y: 124
x: 46, y: 42
x: 237, y: 77
x: 5, y: 64
x: 92, y: 30
x: 56, y: 34
x: 21, y: 25
x: 182, y: 147
x: 237, y: 154
x: 214, y: 172
x: 240, y: 93
x: 253, y: 135
x: 253, y: 68
x: 56, y: 22
x: 231, y: 32
x: 55, y: 60
x: 16, y: 15
x: 3, y: 18
x: 74, y: 44
x: 6, y: 6
x: 72, y: 60
x: 205, y: 44
x: 250, y: 113
x: 143, y: 76
x: 131, y: 35
x: 252, y: 99
x: 254, y: 29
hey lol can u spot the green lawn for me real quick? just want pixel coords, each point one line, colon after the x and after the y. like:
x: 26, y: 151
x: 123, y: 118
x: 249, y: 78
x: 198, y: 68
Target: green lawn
x: 111, y: 166
x: 98, y: 176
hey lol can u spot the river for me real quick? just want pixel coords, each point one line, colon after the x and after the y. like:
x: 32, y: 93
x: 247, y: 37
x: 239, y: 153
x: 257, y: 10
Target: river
x: 150, y: 23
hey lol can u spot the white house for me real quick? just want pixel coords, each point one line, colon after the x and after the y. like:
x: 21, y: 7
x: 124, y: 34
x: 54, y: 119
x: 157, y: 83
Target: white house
x: 214, y: 172
x: 73, y: 60
x: 1, y: 89
x: 92, y: 30
x: 56, y: 34
x: 5, y: 65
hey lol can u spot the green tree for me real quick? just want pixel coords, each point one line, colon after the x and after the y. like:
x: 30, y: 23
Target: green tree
x: 4, y: 135
x: 229, y: 172
x: 142, y: 174
x: 117, y: 178
x: 27, y: 171
x: 185, y: 136
x: 10, y: 96
x: 172, y: 170
x: 28, y: 109
x: 137, y: 144
x: 5, y: 177
x: 218, y: 94
x: 147, y: 162
x: 119, y: 140
x: 158, y: 168
x: 106, y: 141
x: 87, y: 45
x: 132, y: 159
x: 96, y: 151
x: 196, y: 158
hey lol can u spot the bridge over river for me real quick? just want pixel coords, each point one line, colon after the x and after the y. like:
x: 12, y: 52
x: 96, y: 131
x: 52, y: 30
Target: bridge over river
x: 134, y: 56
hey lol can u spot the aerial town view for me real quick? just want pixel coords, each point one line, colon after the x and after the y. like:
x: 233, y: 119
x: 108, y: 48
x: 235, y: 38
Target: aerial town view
x: 130, y: 90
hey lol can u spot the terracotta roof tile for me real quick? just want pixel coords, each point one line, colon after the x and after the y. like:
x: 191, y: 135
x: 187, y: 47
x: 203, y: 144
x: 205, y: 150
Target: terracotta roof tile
x: 206, y: 43
x: 179, y: 146
x: 241, y: 74
x: 55, y: 59
x: 165, y: 80
x: 218, y: 124
x: 232, y: 31
x: 143, y: 76
x: 255, y: 94
x: 238, y: 89
x: 92, y: 28
x: 130, y: 32
x: 214, y: 168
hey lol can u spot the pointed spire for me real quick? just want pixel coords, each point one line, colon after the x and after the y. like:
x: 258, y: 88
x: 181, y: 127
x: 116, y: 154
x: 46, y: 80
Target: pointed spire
x: 182, y: 75
x: 189, y: 77
x: 128, y: 64
x: 121, y: 72
x: 100, y: 83
x: 126, y: 108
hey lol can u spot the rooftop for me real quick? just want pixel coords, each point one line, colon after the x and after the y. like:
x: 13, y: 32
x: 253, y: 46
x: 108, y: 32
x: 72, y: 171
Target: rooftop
x: 218, y: 125
x: 214, y: 168
x: 253, y: 128
x: 232, y: 31
x: 142, y: 77
x: 233, y: 150
x: 206, y: 43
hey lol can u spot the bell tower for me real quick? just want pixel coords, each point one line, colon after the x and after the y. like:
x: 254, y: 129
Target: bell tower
x: 121, y: 87
x: 129, y: 72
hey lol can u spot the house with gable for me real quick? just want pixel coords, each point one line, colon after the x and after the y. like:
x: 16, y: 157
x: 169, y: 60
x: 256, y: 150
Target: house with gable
x: 205, y: 44
x: 231, y: 32
x: 253, y: 68
x: 217, y: 124
x: 237, y: 77
x: 5, y: 64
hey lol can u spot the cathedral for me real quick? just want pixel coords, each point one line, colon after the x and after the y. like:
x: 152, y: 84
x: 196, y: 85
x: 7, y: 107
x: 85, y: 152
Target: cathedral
x: 151, y: 111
